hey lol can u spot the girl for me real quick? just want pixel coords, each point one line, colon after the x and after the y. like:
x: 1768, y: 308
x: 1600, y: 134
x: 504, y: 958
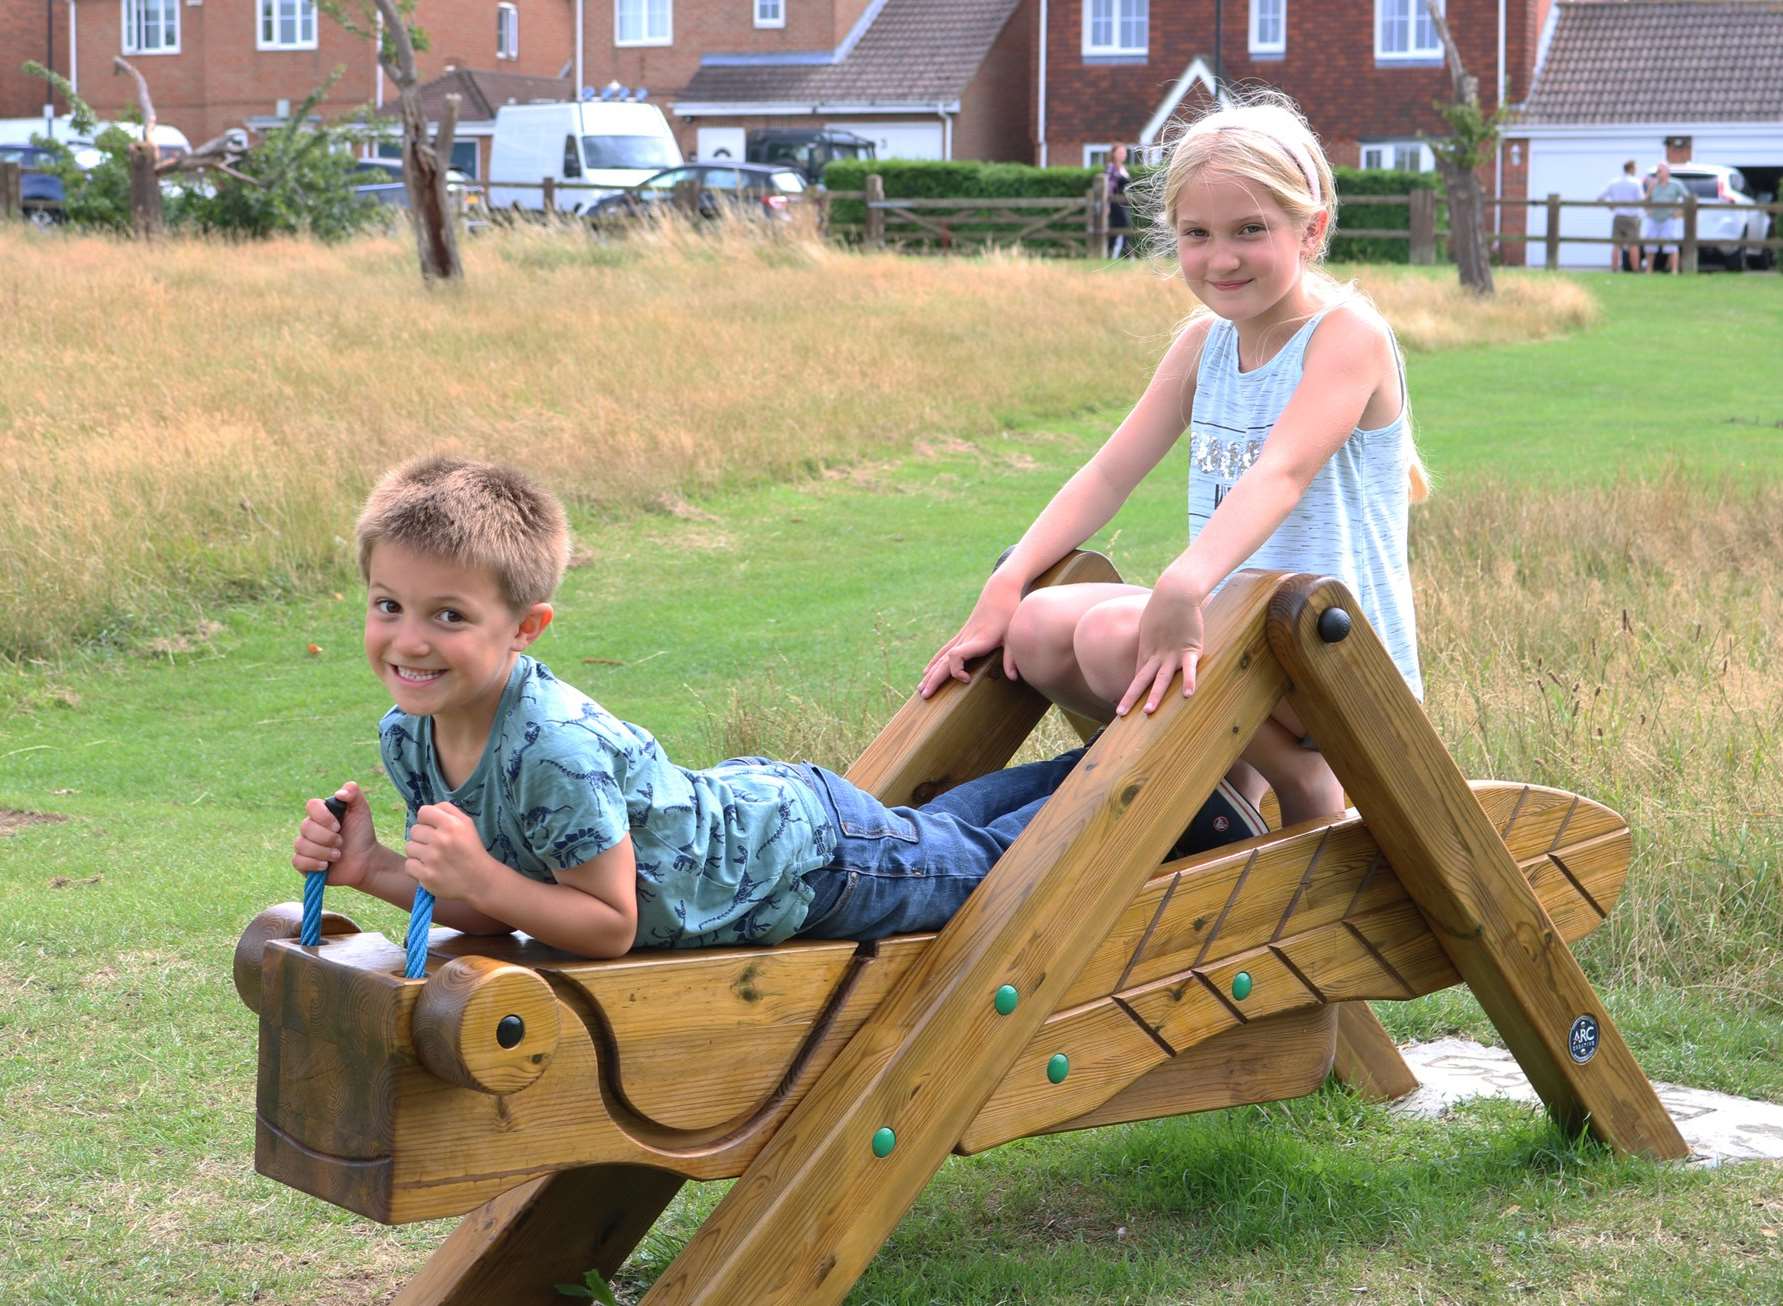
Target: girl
x: 1301, y: 455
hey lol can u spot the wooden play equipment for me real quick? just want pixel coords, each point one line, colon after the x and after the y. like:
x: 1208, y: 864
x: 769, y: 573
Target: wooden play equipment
x: 561, y: 1103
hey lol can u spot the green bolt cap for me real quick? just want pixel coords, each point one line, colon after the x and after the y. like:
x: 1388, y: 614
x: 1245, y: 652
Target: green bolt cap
x: 1006, y: 999
x: 883, y: 1141
x: 1241, y: 985
x: 1057, y: 1067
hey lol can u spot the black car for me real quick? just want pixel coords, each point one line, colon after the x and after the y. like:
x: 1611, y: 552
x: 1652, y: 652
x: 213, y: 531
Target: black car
x: 40, y: 189
x: 809, y: 149
x: 710, y: 189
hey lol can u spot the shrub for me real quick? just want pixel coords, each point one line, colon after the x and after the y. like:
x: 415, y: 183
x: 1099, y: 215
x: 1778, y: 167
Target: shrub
x: 970, y: 179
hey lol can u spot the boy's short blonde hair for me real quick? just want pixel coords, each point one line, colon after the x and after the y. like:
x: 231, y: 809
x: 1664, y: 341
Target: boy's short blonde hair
x: 472, y: 514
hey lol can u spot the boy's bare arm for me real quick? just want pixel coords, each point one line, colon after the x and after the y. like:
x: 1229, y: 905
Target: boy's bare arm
x: 592, y: 910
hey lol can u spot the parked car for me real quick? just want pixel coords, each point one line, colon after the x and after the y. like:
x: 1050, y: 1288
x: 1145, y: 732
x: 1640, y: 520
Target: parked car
x: 40, y: 190
x: 605, y: 144
x: 381, y: 180
x: 756, y: 189
x: 1714, y: 183
x: 809, y: 149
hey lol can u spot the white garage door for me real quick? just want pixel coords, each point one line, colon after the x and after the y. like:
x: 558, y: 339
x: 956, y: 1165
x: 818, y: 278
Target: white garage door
x: 900, y: 140
x: 1577, y: 166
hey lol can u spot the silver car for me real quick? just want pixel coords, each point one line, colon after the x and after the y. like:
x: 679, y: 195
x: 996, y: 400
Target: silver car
x: 1715, y: 183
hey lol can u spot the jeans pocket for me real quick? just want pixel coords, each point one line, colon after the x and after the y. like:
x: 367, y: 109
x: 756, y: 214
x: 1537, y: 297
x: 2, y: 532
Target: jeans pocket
x: 810, y: 926
x: 863, y: 816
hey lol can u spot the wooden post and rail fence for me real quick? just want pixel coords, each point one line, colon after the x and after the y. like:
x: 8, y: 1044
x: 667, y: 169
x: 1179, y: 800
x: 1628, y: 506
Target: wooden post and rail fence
x: 1078, y: 224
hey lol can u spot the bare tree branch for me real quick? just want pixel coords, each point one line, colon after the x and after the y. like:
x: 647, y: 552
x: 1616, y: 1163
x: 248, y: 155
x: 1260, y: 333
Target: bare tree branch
x: 402, y: 71
x: 122, y: 65
x: 446, y: 132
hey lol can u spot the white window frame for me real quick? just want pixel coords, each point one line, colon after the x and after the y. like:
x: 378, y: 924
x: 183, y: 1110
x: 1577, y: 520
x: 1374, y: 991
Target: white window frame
x: 1280, y: 44
x: 1426, y: 160
x: 129, y: 9
x: 507, y: 31
x: 1413, y: 51
x: 765, y: 19
x: 271, y: 8
x: 1121, y: 14
x: 667, y: 36
x: 1090, y: 153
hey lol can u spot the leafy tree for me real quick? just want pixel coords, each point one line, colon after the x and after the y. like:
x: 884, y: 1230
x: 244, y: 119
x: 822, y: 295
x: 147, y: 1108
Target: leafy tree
x: 98, y: 196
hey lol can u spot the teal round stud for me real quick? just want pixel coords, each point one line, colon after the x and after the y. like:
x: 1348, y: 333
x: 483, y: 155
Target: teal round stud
x: 1006, y: 999
x: 1241, y: 985
x: 1057, y: 1067
x: 883, y: 1141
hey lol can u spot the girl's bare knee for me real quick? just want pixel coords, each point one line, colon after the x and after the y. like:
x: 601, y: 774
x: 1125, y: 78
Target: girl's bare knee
x: 1039, y: 638
x: 1106, y: 643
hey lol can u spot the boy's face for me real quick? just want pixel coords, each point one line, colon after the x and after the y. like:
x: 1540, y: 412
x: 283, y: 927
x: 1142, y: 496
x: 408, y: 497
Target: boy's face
x: 440, y: 636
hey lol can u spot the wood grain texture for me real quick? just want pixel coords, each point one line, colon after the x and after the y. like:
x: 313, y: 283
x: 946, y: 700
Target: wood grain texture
x: 1454, y: 863
x: 1365, y: 1058
x: 518, y: 1247
x: 934, y: 1049
x: 464, y: 1010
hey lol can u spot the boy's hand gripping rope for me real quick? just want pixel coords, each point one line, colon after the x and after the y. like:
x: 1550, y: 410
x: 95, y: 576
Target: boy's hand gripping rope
x: 420, y: 915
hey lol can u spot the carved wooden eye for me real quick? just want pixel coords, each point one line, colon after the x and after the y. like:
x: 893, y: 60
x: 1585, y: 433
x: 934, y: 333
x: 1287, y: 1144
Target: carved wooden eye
x: 486, y: 1025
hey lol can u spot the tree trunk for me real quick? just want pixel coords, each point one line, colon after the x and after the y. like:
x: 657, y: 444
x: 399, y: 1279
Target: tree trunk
x: 1467, y: 227
x: 424, y: 168
x: 145, y: 191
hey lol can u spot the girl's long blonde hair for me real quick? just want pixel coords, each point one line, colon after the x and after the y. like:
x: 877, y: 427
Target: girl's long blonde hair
x: 1261, y: 138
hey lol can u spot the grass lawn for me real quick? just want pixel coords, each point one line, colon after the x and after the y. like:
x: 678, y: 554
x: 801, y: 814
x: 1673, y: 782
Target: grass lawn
x: 791, y: 619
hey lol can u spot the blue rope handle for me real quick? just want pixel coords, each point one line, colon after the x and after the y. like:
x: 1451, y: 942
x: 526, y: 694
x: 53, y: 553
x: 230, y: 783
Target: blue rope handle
x: 420, y: 915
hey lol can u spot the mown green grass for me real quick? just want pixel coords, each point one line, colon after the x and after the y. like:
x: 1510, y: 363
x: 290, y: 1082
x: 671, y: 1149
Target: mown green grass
x: 792, y: 619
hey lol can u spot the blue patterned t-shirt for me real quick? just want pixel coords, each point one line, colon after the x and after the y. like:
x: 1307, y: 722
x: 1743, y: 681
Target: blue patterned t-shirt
x: 722, y: 853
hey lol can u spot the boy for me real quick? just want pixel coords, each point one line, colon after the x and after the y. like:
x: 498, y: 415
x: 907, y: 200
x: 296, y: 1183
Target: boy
x: 506, y: 769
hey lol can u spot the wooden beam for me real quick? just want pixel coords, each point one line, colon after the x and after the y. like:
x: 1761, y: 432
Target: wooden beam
x: 1455, y: 866
x: 841, y: 1170
x: 1366, y: 1058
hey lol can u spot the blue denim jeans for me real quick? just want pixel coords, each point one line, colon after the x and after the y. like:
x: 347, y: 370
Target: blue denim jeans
x: 904, y: 870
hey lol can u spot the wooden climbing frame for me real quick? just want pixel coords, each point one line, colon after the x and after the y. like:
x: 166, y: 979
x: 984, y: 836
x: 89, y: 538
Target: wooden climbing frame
x: 559, y: 1104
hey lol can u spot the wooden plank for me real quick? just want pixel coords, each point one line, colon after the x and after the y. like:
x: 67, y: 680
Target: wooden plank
x: 1464, y: 880
x: 1266, y: 1061
x: 937, y: 1046
x: 518, y: 1247
x: 1365, y: 1058
x: 1380, y: 949
x: 964, y: 730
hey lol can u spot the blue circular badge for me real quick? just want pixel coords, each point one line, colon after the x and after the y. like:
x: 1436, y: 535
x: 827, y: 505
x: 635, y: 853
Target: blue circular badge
x: 1582, y: 1041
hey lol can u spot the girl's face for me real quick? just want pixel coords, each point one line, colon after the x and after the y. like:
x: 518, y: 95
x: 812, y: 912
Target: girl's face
x: 1240, y: 253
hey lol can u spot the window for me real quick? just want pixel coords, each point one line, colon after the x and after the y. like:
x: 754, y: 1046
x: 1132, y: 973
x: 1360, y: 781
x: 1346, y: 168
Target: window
x: 770, y: 13
x: 1096, y: 156
x: 572, y: 160
x: 287, y: 25
x: 507, y: 32
x: 1406, y: 156
x: 1269, y: 26
x: 151, y: 27
x: 1115, y: 26
x: 643, y: 22
x: 1403, y: 30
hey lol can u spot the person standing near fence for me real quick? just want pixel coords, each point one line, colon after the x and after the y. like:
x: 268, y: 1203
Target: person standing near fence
x: 1120, y: 213
x: 1666, y: 224
x: 1625, y: 223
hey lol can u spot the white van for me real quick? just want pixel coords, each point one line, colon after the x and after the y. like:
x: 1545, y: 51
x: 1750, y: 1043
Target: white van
x: 607, y: 145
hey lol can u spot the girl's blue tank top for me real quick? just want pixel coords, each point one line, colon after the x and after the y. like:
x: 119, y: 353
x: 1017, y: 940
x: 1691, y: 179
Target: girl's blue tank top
x: 1351, y: 521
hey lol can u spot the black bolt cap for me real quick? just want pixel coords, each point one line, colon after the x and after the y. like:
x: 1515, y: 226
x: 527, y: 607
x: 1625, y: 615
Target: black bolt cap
x: 1334, y: 625
x: 510, y: 1031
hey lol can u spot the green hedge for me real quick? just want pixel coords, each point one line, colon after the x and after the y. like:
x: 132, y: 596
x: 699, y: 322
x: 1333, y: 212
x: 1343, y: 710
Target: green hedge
x: 1353, y: 210
x: 955, y: 179
x: 970, y: 179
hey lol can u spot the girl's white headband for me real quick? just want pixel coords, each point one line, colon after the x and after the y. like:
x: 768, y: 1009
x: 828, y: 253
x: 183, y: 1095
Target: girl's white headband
x: 1296, y: 152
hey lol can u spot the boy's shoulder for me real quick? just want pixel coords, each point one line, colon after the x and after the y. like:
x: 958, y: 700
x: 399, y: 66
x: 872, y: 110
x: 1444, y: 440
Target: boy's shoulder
x: 549, y: 722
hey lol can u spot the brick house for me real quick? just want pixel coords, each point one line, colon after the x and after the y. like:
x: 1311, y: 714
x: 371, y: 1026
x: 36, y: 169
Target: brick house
x: 1366, y: 74
x: 922, y: 78
x: 1681, y: 80
x: 214, y: 64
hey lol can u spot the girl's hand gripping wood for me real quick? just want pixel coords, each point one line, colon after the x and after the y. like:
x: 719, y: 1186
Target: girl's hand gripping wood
x: 1170, y: 639
x: 984, y: 630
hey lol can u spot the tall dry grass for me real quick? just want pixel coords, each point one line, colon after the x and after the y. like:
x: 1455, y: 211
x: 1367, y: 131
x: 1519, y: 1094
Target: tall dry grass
x: 191, y: 422
x: 1625, y: 643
